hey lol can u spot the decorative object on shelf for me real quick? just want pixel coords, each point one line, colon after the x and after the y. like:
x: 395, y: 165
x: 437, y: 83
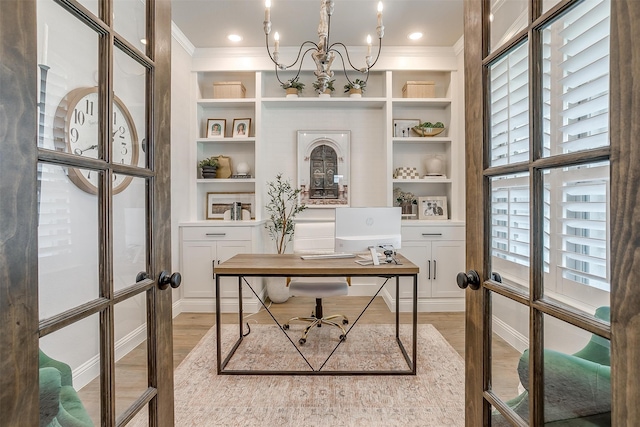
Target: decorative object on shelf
x: 356, y: 88
x: 402, y: 127
x: 283, y: 206
x: 76, y: 131
x: 241, y: 128
x: 242, y: 169
x: 224, y: 167
x: 429, y: 129
x: 406, y: 173
x: 223, y: 90
x: 218, y: 203
x: 216, y: 128
x: 327, y: 92
x: 323, y: 168
x: 322, y: 53
x: 413, y: 89
x: 405, y: 200
x: 432, y: 207
x: 209, y: 167
x: 293, y: 88
x: 434, y: 165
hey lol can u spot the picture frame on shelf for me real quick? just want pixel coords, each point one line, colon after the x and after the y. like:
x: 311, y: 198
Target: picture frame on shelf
x: 241, y: 128
x: 323, y: 168
x: 402, y: 127
x: 218, y: 203
x: 432, y: 208
x: 216, y: 128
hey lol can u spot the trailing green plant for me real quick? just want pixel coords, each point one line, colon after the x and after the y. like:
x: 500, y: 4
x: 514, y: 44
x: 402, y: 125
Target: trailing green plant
x: 210, y: 162
x: 316, y: 85
x: 356, y: 84
x: 293, y: 84
x: 282, y: 207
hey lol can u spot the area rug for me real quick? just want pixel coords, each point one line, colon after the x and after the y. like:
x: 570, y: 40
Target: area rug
x: 433, y: 397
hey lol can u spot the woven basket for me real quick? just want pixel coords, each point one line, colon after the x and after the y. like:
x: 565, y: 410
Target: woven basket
x: 427, y: 131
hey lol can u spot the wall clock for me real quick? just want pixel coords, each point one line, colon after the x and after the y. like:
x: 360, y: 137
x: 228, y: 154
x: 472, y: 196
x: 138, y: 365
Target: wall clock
x: 79, y: 110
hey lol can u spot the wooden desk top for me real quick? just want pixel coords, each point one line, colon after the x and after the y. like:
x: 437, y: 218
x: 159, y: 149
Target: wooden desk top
x: 293, y: 265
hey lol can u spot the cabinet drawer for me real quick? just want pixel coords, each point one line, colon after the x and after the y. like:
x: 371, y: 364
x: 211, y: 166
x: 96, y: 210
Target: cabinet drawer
x: 433, y: 233
x: 216, y: 233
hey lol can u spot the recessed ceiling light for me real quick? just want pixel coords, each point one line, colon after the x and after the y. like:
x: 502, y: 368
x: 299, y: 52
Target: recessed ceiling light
x: 415, y: 36
x: 234, y: 37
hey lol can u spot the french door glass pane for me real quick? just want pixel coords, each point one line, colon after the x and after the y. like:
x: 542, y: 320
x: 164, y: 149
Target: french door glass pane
x: 548, y: 4
x: 510, y: 228
x: 509, y: 339
x: 129, y: 110
x: 507, y: 19
x: 129, y: 232
x: 131, y: 374
x: 129, y: 21
x: 509, y: 127
x: 576, y: 235
x: 575, y: 61
x: 67, y: 242
x: 577, y: 373
x: 67, y: 61
x: 69, y: 365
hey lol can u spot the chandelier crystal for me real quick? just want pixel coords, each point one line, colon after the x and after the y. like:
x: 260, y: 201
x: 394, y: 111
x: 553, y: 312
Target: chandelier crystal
x: 323, y: 53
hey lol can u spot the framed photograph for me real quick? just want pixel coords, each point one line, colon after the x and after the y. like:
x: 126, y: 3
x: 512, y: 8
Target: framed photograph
x: 432, y: 207
x: 218, y: 203
x: 241, y: 128
x: 402, y: 127
x: 323, y: 168
x: 216, y: 128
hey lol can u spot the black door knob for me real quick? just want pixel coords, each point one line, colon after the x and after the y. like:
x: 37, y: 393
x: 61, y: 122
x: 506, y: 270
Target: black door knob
x: 470, y: 279
x: 141, y: 276
x: 496, y: 277
x: 164, y: 280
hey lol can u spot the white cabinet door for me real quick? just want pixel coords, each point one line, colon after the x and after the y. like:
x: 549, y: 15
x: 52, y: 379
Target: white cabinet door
x: 448, y: 258
x: 197, y: 269
x: 226, y: 250
x: 418, y: 253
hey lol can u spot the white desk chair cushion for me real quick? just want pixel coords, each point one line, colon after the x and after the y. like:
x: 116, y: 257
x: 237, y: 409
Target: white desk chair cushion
x: 318, y: 286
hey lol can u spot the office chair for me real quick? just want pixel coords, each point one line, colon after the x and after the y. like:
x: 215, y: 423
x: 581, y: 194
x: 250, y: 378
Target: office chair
x: 317, y: 238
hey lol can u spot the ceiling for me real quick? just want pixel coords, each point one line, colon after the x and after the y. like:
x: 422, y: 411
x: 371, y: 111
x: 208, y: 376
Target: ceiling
x: 206, y: 23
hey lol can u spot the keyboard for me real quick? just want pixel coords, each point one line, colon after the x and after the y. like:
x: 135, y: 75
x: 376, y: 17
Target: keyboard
x: 328, y: 256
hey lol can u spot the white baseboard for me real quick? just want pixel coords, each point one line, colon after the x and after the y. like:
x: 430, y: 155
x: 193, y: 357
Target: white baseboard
x: 90, y: 370
x: 425, y: 305
x: 514, y: 338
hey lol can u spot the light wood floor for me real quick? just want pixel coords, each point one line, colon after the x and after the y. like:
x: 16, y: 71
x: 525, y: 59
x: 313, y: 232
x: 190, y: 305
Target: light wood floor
x: 189, y: 328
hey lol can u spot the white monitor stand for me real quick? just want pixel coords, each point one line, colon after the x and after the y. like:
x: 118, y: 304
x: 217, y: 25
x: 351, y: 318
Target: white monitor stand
x: 374, y: 255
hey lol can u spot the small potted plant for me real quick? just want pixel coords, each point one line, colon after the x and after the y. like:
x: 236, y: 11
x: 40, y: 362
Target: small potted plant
x: 282, y: 207
x: 429, y: 129
x: 327, y: 92
x: 405, y: 200
x: 209, y: 167
x: 293, y: 88
x: 355, y: 88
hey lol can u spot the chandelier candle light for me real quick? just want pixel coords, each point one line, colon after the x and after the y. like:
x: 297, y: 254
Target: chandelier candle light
x: 322, y: 53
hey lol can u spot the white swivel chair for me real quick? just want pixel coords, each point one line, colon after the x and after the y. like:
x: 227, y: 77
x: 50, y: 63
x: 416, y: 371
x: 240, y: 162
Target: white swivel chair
x: 313, y: 238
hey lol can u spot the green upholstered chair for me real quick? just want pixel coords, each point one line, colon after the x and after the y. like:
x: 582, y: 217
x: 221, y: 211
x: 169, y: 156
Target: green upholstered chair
x: 60, y: 405
x: 577, y: 386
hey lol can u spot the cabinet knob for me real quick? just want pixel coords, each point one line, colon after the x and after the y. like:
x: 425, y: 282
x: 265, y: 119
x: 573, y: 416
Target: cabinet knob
x: 164, y: 280
x: 470, y: 279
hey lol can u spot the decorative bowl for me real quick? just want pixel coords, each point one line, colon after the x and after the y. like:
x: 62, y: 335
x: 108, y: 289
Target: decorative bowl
x: 427, y: 131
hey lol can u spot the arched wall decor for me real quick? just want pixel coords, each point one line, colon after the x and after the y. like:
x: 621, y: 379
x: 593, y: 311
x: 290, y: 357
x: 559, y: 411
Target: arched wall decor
x: 323, y: 167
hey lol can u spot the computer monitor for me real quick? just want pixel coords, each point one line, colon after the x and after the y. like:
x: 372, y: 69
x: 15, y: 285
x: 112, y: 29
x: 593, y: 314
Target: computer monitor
x: 358, y: 229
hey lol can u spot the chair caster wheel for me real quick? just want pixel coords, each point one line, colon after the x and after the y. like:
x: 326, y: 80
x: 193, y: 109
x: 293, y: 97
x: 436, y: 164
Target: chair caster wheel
x: 343, y: 337
x: 285, y: 326
x: 302, y: 341
x: 345, y: 321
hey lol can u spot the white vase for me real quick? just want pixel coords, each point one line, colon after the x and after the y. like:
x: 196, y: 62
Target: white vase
x: 277, y: 289
x: 434, y: 165
x: 242, y: 168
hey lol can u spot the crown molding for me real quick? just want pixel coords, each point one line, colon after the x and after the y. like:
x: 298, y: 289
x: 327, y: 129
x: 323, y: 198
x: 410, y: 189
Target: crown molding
x: 179, y: 36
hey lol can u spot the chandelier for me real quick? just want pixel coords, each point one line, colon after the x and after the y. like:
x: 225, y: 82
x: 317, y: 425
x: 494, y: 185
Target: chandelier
x: 322, y: 52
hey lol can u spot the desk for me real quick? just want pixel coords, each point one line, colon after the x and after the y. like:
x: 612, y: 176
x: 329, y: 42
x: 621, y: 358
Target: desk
x: 290, y: 265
